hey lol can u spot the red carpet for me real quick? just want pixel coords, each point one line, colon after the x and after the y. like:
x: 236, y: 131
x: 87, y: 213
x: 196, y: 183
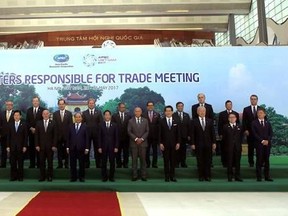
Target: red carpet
x: 72, y: 204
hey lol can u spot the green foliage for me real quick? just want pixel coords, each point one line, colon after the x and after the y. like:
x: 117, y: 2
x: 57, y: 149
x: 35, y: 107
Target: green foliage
x: 21, y: 95
x: 81, y: 89
x: 110, y: 105
x: 140, y: 96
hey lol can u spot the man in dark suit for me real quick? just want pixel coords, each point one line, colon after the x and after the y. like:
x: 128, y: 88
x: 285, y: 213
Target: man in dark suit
x: 203, y: 141
x: 93, y: 117
x: 183, y: 120
x: 5, y: 119
x: 153, y: 118
x: 232, y: 134
x: 138, y: 130
x: 77, y: 147
x: 34, y: 114
x: 121, y: 118
x: 223, y: 120
x: 63, y: 120
x: 209, y: 109
x: 262, y: 133
x: 249, y: 115
x: 17, y: 143
x: 45, y: 144
x: 170, y: 138
x: 108, y: 145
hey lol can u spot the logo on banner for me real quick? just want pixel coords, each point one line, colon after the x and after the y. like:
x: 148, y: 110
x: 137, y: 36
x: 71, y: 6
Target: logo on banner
x: 90, y: 60
x: 61, y: 61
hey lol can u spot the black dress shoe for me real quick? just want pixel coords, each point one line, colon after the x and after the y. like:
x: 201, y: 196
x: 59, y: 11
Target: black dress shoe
x: 259, y: 179
x: 49, y: 179
x: 111, y: 179
x: 31, y: 167
x: 118, y: 166
x: 104, y: 179
x: 82, y: 180
x: 73, y: 180
x: 66, y: 167
x: 184, y: 165
x: 154, y: 166
x: 239, y: 179
x: 269, y: 179
x: 134, y: 179
x: 167, y: 180
x: 251, y: 165
x: 20, y: 179
x: 13, y: 179
x: 208, y: 179
x: 144, y: 179
x: 147, y: 166
x: 229, y: 179
x: 3, y: 166
x: 41, y: 180
x: 201, y: 179
x: 173, y: 179
x: 59, y: 167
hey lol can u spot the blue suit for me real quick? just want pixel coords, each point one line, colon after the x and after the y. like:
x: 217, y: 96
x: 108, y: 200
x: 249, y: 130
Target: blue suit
x: 108, y: 141
x: 77, y: 142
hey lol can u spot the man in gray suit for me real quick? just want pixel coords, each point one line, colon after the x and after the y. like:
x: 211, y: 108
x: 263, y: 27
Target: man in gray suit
x: 138, y: 130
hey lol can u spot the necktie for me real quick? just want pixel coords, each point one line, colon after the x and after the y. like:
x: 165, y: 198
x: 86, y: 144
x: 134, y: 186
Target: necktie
x: 62, y: 116
x: 181, y: 116
x: 16, y: 126
x: 203, y: 124
x: 77, y: 128
x: 138, y: 121
x: 91, y: 112
x: 107, y: 125
x: 262, y: 123
x: 254, y: 111
x: 45, y: 125
x: 150, y: 116
x: 169, y: 123
x: 233, y: 126
x: 122, y: 117
x: 34, y: 112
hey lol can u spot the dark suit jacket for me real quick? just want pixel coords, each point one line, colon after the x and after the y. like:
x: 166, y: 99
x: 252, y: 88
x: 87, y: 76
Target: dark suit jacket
x: 94, y: 120
x: 209, y: 111
x: 62, y: 127
x: 261, y: 133
x: 17, y: 140
x: 30, y: 121
x: 202, y: 138
x: 223, y: 120
x: 138, y: 131
x: 169, y: 137
x: 45, y: 140
x: 4, y: 125
x: 248, y: 118
x: 154, y: 125
x: 122, y: 126
x: 78, y: 141
x: 232, y: 137
x: 184, y: 125
x: 108, y: 138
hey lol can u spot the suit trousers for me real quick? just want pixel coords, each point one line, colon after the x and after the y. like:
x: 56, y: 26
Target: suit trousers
x: 105, y: 155
x: 169, y: 156
x: 17, y: 163
x: 204, y: 160
x: 123, y: 149
x: 262, y: 157
x: 152, y: 143
x: 74, y: 156
x: 46, y: 154
x: 138, y: 151
x: 3, y: 151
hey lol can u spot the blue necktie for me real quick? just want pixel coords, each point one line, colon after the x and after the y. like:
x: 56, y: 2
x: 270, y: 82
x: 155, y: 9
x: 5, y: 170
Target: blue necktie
x: 16, y: 126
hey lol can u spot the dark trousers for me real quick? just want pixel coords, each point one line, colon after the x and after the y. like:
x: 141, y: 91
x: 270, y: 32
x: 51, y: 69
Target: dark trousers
x: 74, y: 156
x: 251, y: 147
x: 62, y: 153
x: 16, y: 160
x: 233, y: 160
x: 204, y: 159
x: 152, y: 143
x: 33, y: 154
x: 123, y: 149
x: 262, y: 157
x: 46, y: 155
x: 181, y: 153
x: 105, y: 156
x: 138, y: 151
x: 92, y: 132
x: 169, y: 156
x: 224, y: 154
x: 3, y: 151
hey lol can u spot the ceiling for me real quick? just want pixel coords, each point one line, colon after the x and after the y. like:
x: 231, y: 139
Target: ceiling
x: 26, y: 16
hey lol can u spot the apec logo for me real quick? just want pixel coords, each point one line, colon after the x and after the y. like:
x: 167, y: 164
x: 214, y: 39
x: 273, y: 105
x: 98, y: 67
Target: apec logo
x: 61, y: 58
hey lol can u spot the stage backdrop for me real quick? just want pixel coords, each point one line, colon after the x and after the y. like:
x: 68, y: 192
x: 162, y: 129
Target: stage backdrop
x: 163, y: 75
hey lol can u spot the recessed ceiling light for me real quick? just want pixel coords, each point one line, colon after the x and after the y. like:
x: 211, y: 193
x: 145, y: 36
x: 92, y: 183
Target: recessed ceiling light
x: 177, y: 11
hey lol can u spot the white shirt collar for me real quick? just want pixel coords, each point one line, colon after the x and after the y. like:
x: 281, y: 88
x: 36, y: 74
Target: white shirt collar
x: 200, y: 118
